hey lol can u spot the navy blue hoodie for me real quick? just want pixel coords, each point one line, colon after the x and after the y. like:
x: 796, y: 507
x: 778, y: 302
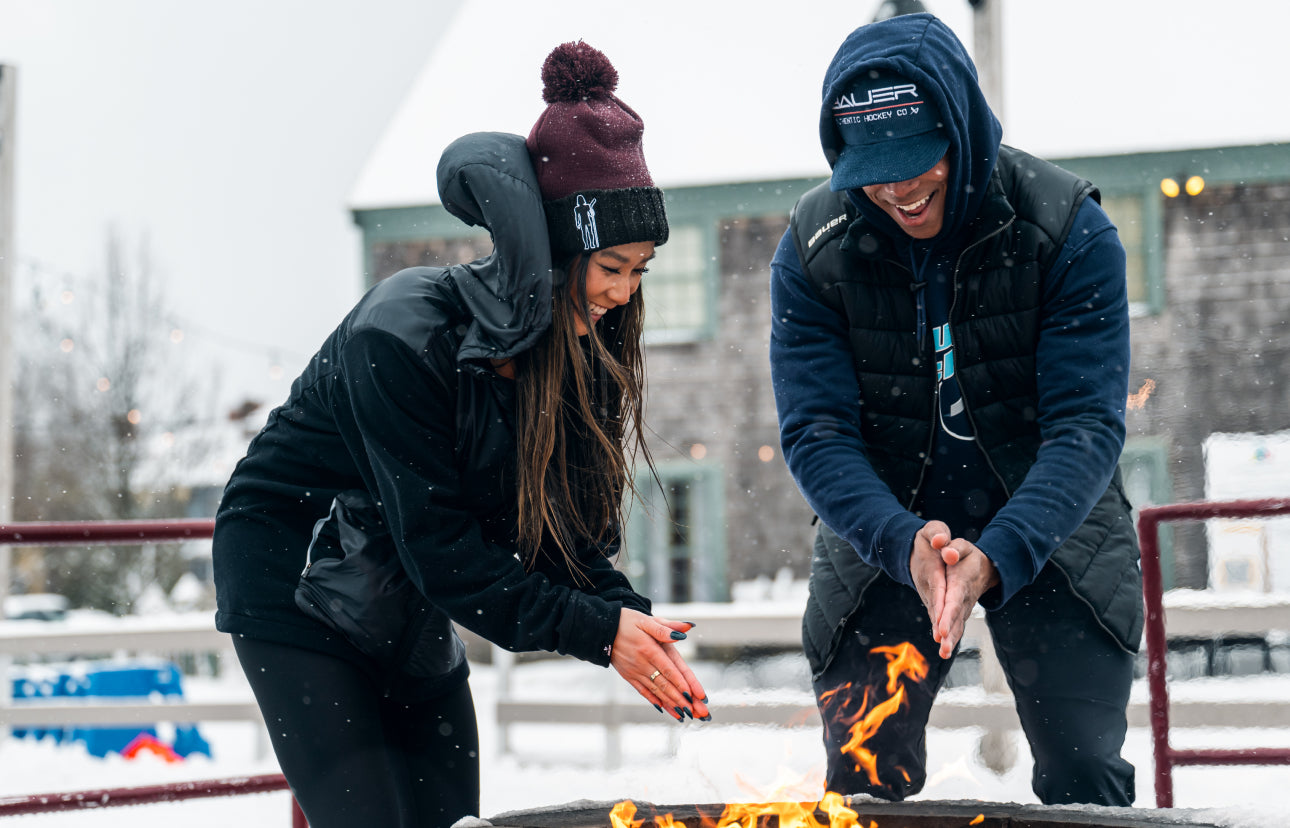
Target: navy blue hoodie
x: 1084, y: 307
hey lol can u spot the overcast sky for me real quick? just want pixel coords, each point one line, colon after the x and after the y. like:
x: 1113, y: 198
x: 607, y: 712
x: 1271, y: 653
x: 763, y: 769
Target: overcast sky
x: 229, y: 135
x: 233, y: 134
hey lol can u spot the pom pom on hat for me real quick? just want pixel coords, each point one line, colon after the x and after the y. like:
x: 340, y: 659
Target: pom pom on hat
x: 575, y: 72
x: 586, y: 150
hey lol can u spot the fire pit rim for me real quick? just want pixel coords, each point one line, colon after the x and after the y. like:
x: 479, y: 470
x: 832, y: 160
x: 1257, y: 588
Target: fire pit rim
x: 585, y: 813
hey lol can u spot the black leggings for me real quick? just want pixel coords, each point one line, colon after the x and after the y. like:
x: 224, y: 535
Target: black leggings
x: 354, y: 757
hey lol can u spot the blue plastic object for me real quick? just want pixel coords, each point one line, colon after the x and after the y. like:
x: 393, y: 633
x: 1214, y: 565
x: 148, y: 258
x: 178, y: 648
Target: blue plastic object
x: 117, y: 679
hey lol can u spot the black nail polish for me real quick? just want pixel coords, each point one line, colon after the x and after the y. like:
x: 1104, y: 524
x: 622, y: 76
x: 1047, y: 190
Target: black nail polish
x: 691, y: 623
x: 706, y: 718
x: 659, y: 709
x: 704, y: 699
x: 689, y: 712
x: 677, y: 636
x: 687, y: 698
x: 680, y: 714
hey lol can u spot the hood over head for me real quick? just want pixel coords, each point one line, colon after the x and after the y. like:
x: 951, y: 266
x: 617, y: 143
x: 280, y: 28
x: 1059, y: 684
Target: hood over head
x: 920, y: 50
x: 486, y: 179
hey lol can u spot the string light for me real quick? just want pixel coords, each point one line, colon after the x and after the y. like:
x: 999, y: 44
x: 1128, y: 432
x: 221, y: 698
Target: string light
x: 1193, y: 186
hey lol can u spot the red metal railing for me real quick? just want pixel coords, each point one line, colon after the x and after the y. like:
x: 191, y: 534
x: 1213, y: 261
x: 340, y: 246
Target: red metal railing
x: 106, y: 533
x: 1166, y: 757
x: 143, y: 795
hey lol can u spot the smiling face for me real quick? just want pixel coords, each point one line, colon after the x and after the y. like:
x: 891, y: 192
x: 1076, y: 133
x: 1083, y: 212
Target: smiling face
x: 613, y: 275
x: 917, y: 205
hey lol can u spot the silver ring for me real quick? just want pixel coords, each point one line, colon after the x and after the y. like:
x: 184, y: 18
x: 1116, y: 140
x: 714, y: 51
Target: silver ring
x: 654, y: 674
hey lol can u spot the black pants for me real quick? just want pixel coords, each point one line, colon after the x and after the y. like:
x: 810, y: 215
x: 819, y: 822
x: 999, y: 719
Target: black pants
x: 353, y: 757
x: 1070, y: 679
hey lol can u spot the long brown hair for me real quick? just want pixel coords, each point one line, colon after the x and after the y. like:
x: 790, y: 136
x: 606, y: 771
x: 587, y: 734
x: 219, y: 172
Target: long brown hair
x: 579, y: 423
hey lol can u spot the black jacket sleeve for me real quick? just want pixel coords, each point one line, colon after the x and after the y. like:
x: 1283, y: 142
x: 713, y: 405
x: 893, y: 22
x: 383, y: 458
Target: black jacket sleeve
x: 597, y: 576
x: 398, y: 419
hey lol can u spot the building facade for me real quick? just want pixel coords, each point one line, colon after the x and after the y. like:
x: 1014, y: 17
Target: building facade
x: 1209, y: 273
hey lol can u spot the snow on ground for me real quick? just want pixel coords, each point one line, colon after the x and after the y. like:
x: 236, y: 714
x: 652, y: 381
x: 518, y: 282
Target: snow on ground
x: 669, y: 763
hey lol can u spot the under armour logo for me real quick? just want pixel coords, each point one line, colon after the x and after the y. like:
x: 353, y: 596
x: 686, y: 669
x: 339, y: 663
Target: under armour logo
x: 584, y: 218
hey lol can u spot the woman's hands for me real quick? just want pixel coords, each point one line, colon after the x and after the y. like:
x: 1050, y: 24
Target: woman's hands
x: 645, y: 656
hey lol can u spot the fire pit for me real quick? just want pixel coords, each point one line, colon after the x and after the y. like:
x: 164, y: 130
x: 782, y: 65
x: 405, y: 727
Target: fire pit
x: 926, y: 814
x: 863, y: 710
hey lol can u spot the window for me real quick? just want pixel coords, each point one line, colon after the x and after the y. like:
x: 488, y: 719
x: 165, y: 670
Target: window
x: 390, y: 257
x: 678, y: 293
x: 1144, y: 467
x: 1127, y: 215
x: 675, y: 550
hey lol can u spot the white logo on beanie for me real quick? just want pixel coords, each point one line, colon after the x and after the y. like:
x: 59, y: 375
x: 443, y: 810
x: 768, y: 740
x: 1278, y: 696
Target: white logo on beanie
x: 584, y: 218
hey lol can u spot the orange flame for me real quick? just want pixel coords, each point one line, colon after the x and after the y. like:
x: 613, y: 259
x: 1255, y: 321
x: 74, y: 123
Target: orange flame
x: 1139, y: 399
x: 752, y: 814
x: 621, y: 816
x: 903, y: 661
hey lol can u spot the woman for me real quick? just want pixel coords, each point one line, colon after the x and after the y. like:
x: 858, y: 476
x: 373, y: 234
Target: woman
x: 458, y: 449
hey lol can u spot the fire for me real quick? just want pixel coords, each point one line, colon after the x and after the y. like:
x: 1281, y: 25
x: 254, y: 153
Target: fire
x: 838, y: 814
x: 622, y: 813
x: 903, y: 661
x: 1139, y: 399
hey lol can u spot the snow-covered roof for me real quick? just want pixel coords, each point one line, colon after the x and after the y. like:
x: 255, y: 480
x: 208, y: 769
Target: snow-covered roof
x: 714, y: 111
x: 730, y: 92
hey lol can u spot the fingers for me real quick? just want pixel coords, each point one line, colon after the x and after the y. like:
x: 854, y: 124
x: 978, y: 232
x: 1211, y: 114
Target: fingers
x: 935, y: 533
x: 928, y: 574
x: 682, y: 627
x: 967, y: 577
x: 647, y: 693
x: 694, y: 694
x: 680, y: 674
x: 644, y: 654
x: 671, y: 687
x: 936, y: 607
x: 950, y: 626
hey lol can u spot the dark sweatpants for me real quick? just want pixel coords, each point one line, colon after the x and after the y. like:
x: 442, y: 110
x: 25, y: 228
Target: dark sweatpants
x: 1070, y: 678
x: 353, y: 757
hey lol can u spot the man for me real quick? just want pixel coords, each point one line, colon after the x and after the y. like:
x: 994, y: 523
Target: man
x: 950, y: 356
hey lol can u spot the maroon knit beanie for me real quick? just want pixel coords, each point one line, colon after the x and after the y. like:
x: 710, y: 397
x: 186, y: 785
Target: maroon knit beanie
x: 586, y: 149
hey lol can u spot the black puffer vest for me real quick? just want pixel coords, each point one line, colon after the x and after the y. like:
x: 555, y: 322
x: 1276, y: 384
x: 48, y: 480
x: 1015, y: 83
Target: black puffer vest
x: 995, y: 316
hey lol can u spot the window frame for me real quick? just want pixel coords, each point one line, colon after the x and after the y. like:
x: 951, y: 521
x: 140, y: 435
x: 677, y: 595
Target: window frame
x: 646, y: 557
x: 706, y: 329
x: 1152, y: 452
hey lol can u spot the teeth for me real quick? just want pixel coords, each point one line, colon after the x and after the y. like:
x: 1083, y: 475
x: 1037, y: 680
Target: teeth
x: 917, y: 205
x: 596, y: 310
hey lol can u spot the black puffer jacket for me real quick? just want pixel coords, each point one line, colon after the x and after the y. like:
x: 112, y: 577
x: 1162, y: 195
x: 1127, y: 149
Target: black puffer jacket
x: 400, y: 401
